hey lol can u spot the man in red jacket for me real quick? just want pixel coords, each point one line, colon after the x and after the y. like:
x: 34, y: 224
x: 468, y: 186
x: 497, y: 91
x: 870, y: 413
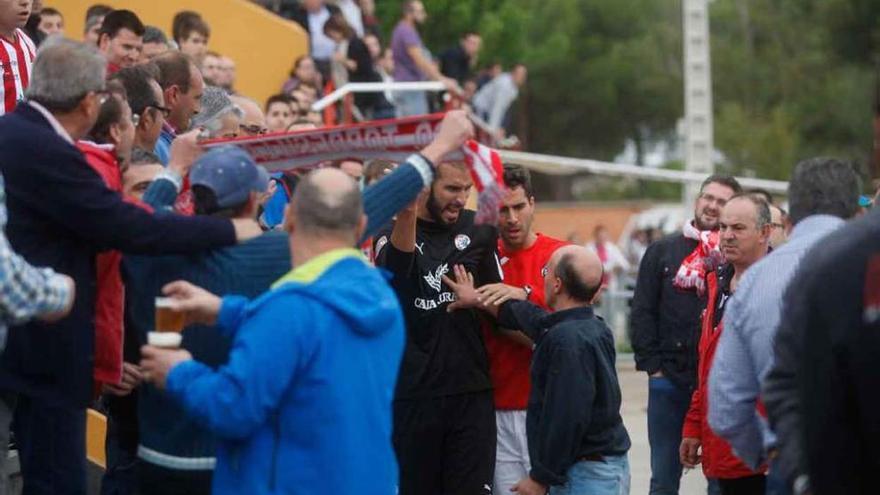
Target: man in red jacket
x: 745, y: 236
x: 523, y: 254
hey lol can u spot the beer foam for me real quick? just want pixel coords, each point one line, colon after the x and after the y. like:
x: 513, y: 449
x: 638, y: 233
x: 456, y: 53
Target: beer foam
x: 164, y: 339
x: 164, y: 302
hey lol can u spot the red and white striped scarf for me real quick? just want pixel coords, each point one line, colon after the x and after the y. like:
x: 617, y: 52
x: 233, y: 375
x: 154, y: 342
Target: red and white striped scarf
x: 487, y: 172
x: 393, y: 140
x: 705, y: 257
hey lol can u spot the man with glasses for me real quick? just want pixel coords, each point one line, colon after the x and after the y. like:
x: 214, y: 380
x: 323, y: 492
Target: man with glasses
x: 666, y: 307
x: 254, y: 121
x: 147, y: 103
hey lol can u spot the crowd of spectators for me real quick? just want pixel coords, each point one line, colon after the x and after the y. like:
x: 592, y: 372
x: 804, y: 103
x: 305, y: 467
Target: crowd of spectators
x: 474, y: 360
x: 346, y: 44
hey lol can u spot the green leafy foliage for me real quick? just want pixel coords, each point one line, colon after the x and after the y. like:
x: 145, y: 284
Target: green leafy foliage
x: 791, y: 78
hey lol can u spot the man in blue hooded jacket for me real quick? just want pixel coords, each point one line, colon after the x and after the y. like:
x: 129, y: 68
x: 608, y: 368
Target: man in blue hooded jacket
x: 304, y: 403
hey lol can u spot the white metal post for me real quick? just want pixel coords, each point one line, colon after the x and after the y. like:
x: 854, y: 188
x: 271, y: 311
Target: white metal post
x: 699, y: 144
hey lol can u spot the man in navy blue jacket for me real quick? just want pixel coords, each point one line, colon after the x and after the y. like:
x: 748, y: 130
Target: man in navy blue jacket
x: 60, y: 215
x: 577, y: 440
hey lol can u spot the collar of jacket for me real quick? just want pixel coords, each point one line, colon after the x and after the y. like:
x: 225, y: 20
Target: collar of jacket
x: 315, y: 267
x: 581, y: 313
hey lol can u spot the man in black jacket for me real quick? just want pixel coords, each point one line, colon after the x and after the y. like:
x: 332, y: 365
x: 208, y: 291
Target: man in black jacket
x: 60, y: 215
x: 577, y: 440
x: 458, y: 61
x: 821, y: 392
x: 669, y: 298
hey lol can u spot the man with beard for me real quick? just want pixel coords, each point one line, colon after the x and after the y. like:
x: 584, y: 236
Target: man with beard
x: 745, y: 237
x: 444, y: 419
x: 669, y: 298
x: 523, y: 255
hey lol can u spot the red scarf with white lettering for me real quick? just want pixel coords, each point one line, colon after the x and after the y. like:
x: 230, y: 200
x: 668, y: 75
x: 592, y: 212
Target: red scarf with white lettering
x: 704, y: 258
x: 393, y: 140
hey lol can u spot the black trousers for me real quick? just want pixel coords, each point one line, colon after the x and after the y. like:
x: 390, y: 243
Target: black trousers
x: 446, y: 445
x: 156, y: 480
x: 52, y: 447
x: 750, y: 485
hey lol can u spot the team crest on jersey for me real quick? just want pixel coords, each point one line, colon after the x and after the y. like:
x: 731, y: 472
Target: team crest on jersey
x: 435, y: 280
x: 462, y: 242
x: 381, y: 243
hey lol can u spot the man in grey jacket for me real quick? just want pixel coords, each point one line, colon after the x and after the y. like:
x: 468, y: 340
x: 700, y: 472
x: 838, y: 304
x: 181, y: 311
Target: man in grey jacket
x: 823, y: 192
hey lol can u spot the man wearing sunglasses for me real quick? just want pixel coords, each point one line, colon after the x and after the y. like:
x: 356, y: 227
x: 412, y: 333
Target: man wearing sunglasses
x: 147, y: 104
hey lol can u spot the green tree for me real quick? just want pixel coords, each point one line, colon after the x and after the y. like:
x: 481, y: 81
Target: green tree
x: 791, y: 78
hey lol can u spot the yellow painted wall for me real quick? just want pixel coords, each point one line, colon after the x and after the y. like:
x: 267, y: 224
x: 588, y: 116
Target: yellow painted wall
x: 262, y: 44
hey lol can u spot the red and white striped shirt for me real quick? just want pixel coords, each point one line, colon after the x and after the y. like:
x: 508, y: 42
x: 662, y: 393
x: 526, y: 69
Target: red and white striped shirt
x: 16, y: 58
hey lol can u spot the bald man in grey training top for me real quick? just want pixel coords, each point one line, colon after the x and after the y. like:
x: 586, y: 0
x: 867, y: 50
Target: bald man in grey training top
x: 577, y: 441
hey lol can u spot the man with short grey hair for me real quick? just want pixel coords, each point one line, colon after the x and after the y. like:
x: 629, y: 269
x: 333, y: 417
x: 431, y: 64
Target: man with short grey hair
x: 60, y: 215
x: 823, y: 192
x: 744, y: 231
x: 253, y: 123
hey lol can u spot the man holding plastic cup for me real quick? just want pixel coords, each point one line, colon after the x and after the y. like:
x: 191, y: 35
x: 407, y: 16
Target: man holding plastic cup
x: 305, y: 397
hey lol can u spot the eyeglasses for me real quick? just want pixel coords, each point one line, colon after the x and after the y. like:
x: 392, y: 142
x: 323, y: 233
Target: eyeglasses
x: 165, y: 111
x: 252, y: 129
x: 777, y: 225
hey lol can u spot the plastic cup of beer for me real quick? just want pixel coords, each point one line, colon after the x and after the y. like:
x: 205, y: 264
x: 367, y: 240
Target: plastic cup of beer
x: 169, y: 325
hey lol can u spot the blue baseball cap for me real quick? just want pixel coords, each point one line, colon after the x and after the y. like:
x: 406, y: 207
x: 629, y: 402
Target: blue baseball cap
x: 230, y: 173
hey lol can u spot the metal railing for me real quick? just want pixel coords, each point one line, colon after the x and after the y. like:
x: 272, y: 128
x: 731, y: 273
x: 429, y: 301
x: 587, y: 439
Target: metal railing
x: 376, y: 87
x: 550, y: 164
x: 563, y: 165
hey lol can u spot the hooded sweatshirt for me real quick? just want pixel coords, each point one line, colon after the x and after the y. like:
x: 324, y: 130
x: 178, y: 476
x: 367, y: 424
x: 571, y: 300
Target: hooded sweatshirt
x: 304, y: 403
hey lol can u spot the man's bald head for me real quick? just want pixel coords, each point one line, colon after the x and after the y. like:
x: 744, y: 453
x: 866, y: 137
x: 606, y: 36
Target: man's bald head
x: 575, y: 272
x: 254, y: 121
x: 327, y: 203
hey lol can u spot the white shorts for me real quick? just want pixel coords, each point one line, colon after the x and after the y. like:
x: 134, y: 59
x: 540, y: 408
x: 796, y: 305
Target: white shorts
x: 512, y: 451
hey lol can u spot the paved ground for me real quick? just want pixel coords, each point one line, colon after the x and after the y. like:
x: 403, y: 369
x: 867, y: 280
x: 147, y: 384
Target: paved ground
x: 634, y: 386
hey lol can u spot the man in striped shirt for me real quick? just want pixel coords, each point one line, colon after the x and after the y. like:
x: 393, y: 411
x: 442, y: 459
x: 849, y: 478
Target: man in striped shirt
x: 17, y: 52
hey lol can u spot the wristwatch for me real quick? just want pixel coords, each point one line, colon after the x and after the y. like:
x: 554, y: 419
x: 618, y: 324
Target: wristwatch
x: 528, y: 289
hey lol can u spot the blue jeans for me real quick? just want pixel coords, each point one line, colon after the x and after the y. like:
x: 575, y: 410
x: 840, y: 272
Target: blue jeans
x: 667, y: 406
x: 608, y: 477
x: 411, y: 103
x: 776, y: 483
